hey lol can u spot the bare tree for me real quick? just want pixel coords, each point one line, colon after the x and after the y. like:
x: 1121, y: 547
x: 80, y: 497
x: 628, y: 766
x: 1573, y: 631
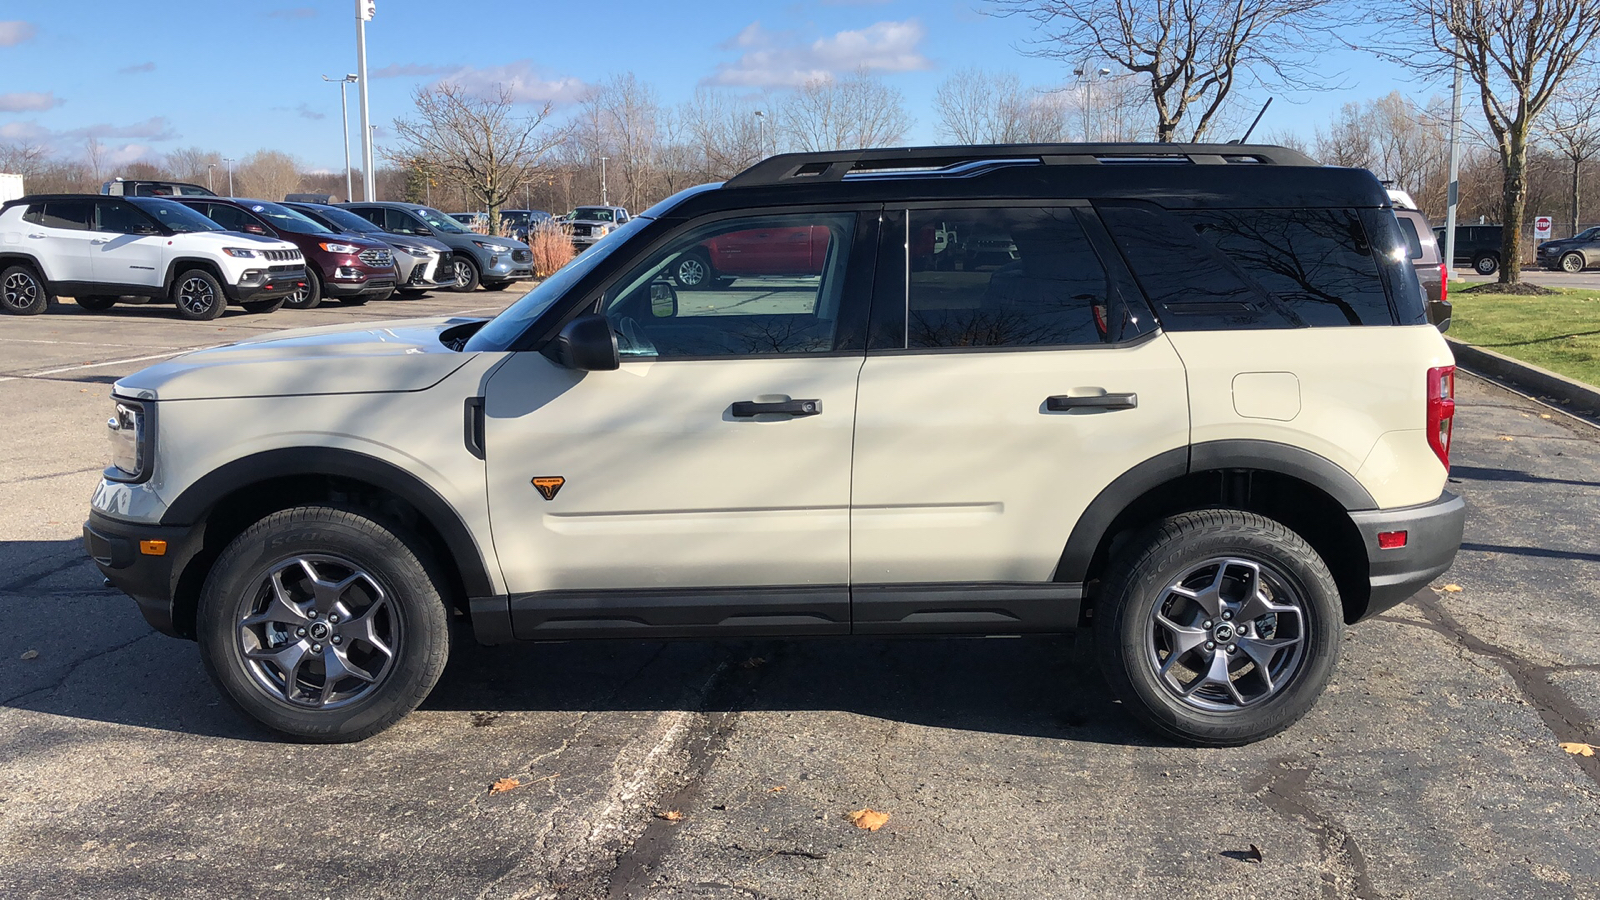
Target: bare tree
x: 193, y: 164
x: 478, y: 142
x: 976, y: 106
x: 856, y: 111
x: 27, y: 160
x: 724, y: 133
x: 621, y: 122
x: 1191, y: 52
x: 1516, y: 52
x: 1572, y: 126
x: 94, y: 156
x: 268, y: 174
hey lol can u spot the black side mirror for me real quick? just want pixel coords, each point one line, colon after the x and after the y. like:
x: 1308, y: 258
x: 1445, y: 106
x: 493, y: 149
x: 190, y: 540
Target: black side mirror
x: 663, y: 300
x: 252, y: 228
x: 586, y: 344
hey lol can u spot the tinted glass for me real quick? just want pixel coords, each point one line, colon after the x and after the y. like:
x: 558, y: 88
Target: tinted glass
x: 400, y: 222
x: 1408, y: 230
x: 370, y: 213
x: 231, y: 218
x: 341, y: 220
x: 73, y: 214
x: 437, y: 220
x: 766, y: 285
x: 176, y: 216
x: 119, y: 217
x: 285, y: 219
x: 591, y: 213
x: 1006, y: 278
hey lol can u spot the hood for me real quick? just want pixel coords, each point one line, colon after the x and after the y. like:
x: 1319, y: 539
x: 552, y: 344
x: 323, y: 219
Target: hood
x: 237, y: 238
x: 410, y: 240
x: 498, y: 241
x: 404, y: 355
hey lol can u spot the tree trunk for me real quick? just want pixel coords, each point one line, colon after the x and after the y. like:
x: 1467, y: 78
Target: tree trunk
x: 1513, y: 204
x: 1576, y: 185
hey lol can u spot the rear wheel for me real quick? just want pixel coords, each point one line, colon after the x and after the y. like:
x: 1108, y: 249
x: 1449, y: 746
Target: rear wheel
x: 693, y: 271
x: 1486, y: 264
x: 1219, y: 627
x: 1572, y: 262
x: 99, y: 303
x: 198, y: 296
x: 323, y: 624
x: 22, y: 291
x: 307, y: 297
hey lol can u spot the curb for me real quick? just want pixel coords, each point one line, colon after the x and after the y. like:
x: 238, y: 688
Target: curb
x: 1575, y: 395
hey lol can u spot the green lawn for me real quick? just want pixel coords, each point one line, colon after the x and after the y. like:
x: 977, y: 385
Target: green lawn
x: 1560, y: 333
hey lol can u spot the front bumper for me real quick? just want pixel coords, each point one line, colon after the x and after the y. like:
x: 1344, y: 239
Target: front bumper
x: 508, y: 268
x: 1433, y: 535
x: 379, y: 283
x: 274, y: 284
x: 115, y: 547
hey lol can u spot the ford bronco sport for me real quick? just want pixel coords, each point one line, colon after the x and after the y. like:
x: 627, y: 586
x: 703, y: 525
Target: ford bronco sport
x: 1195, y: 406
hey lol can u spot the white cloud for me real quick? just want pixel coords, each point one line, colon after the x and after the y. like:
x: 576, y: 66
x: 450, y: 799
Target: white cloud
x: 138, y: 69
x: 28, y: 101
x: 14, y: 33
x: 522, y: 79
x: 156, y: 128
x: 410, y: 70
x: 779, y: 60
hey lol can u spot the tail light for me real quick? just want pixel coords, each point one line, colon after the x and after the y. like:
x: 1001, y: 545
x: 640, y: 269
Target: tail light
x: 1441, y: 410
x: 1444, y: 284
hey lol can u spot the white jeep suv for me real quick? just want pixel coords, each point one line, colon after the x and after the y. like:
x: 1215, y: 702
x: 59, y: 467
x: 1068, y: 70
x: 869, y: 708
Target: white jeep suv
x: 1191, y: 402
x: 101, y: 249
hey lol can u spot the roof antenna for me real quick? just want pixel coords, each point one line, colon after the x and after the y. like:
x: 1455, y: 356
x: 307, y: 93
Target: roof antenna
x: 1257, y: 121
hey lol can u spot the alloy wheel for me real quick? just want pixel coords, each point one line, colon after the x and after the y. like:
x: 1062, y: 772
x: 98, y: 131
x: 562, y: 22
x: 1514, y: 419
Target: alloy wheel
x: 463, y: 273
x: 1572, y: 263
x: 21, y: 291
x: 691, y: 272
x: 196, y: 296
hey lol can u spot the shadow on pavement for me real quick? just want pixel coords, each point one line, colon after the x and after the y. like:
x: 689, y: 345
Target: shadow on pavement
x: 1538, y: 552
x: 1477, y: 473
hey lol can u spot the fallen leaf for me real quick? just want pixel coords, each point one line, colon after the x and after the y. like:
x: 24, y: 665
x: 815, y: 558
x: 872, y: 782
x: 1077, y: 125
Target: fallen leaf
x: 868, y: 819
x: 1507, y: 437
x: 505, y: 784
x: 1255, y: 854
x: 30, y: 654
x: 1544, y: 415
x: 1452, y: 589
x: 670, y: 815
x: 1577, y: 749
x: 779, y: 788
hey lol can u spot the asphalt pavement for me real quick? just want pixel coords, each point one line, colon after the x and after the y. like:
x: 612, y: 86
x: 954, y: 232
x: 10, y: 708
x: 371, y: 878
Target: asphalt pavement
x: 1432, y: 767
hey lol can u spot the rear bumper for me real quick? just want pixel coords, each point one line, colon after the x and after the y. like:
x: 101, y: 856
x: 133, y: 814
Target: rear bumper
x: 150, y: 580
x: 1433, y: 535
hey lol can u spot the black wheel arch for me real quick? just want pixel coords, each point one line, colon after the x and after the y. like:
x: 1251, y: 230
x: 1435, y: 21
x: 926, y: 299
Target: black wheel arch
x: 185, y: 263
x: 11, y: 258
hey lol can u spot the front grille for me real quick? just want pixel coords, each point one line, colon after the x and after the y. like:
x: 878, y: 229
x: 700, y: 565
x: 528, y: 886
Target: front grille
x: 280, y: 269
x: 522, y: 256
x: 581, y: 230
x: 281, y: 255
x: 377, y: 258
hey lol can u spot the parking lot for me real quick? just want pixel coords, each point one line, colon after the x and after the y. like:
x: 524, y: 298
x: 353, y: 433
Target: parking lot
x: 1432, y: 767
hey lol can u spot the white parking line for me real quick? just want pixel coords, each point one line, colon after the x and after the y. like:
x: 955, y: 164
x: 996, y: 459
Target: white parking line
x: 109, y: 362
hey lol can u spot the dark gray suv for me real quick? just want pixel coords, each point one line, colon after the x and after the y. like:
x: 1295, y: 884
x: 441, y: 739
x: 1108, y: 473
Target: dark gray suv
x: 494, y: 262
x: 1573, y: 254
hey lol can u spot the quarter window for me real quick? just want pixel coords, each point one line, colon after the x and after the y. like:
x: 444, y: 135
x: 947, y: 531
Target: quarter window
x: 70, y: 214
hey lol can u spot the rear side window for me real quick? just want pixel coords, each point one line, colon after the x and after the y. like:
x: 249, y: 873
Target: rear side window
x: 70, y: 214
x: 1408, y: 230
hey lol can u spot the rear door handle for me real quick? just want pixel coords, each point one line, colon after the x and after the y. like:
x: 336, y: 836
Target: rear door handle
x: 745, y: 409
x: 1098, y: 401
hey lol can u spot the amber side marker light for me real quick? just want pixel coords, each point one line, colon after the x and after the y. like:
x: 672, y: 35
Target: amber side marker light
x: 153, y: 548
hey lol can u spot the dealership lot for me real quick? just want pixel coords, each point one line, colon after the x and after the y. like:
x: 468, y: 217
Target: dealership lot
x: 1432, y: 767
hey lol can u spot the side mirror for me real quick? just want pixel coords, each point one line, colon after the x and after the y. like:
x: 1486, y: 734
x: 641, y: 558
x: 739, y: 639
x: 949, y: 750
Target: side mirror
x: 422, y: 232
x: 253, y: 228
x: 663, y: 300
x: 586, y: 344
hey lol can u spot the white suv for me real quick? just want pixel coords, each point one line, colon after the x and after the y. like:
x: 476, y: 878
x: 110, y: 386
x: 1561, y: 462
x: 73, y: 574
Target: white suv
x: 1183, y: 395
x: 99, y: 249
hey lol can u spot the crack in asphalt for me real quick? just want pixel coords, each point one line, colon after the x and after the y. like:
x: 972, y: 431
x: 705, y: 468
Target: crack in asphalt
x: 28, y: 581
x: 1284, y: 792
x: 1564, y: 719
x: 52, y: 475
x: 72, y: 669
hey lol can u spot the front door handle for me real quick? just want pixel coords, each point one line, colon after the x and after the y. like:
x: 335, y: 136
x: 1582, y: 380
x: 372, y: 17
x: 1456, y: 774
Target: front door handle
x: 745, y: 409
x: 98, y: 241
x: 1097, y: 401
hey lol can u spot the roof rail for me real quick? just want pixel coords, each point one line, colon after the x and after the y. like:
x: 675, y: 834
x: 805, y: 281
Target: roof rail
x: 964, y: 161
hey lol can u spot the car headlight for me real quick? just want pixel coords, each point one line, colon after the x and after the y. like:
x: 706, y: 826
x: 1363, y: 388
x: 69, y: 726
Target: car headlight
x: 492, y: 248
x: 339, y: 248
x: 414, y: 251
x: 130, y: 457
x: 240, y: 252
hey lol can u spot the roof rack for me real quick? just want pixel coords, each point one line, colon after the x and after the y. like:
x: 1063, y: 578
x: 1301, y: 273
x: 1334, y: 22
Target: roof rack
x: 967, y: 161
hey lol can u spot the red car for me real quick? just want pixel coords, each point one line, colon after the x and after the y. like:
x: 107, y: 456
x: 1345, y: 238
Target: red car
x: 790, y: 250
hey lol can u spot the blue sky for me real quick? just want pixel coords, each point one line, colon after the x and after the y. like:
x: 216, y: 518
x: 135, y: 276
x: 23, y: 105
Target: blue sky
x: 148, y: 76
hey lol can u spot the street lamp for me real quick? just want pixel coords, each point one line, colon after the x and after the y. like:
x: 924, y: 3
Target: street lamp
x: 209, y: 168
x: 1087, y: 78
x: 604, y: 199
x: 344, y: 116
x: 230, y: 175
x: 365, y: 9
x: 761, y: 141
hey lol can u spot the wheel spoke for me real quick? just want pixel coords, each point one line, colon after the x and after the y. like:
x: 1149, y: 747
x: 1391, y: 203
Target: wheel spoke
x: 1256, y: 604
x: 281, y: 609
x: 288, y: 659
x: 1184, y: 638
x: 364, y: 628
x: 1216, y: 673
x: 1261, y: 652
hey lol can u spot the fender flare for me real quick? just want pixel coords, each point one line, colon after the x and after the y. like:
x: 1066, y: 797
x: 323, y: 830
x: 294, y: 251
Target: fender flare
x: 193, y: 504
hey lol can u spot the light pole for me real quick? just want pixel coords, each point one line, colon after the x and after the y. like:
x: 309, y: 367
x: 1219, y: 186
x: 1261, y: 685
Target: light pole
x: 604, y: 199
x: 230, y: 175
x: 761, y: 131
x: 365, y: 9
x: 344, y: 116
x: 1453, y: 192
x: 1086, y: 77
x: 210, y: 167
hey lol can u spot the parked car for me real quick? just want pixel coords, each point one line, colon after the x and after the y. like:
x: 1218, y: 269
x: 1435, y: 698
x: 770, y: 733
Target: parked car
x: 1573, y: 254
x: 801, y: 250
x: 588, y: 224
x: 423, y: 264
x: 349, y: 269
x: 494, y: 262
x: 470, y: 219
x: 1158, y: 422
x: 1428, y: 261
x: 515, y: 223
x: 1476, y: 245
x: 102, y: 250
x: 145, y: 188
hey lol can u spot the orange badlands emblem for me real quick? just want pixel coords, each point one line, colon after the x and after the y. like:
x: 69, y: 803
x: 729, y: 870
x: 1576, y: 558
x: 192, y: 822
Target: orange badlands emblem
x: 548, y: 486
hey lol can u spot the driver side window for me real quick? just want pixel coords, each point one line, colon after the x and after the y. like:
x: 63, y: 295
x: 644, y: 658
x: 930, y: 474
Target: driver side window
x: 738, y: 287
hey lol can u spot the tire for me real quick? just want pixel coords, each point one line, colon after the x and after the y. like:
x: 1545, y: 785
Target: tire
x: 353, y: 301
x: 409, y: 295
x: 23, y: 292
x: 264, y: 306
x: 375, y: 575
x: 1486, y: 264
x: 1194, y: 551
x: 198, y: 296
x: 693, y: 271
x: 467, y: 277
x: 496, y: 285
x: 308, y: 297
x: 98, y: 303
x: 1572, y: 263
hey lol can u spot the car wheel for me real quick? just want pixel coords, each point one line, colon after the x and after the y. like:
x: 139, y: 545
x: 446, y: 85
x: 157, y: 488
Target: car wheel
x: 496, y: 285
x: 198, y: 296
x: 1219, y: 627
x: 22, y: 291
x: 353, y: 301
x: 1572, y: 262
x: 693, y: 271
x: 323, y: 624
x: 308, y: 297
x: 466, y: 276
x: 99, y: 303
x: 1485, y: 265
x: 410, y: 295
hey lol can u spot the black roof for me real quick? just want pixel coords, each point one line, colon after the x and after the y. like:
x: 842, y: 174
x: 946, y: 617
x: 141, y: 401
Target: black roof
x: 44, y: 198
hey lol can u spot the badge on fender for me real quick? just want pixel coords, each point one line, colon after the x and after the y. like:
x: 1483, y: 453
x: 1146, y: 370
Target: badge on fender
x: 549, y: 485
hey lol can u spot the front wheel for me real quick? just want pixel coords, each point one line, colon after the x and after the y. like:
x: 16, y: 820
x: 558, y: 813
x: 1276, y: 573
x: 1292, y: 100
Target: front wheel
x: 323, y: 624
x: 198, y: 296
x: 307, y: 297
x: 693, y: 271
x: 1572, y: 262
x: 1486, y: 265
x: 1219, y: 627
x: 466, y: 276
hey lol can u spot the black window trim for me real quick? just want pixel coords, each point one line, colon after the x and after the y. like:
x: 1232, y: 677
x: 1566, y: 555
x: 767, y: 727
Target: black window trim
x: 100, y: 204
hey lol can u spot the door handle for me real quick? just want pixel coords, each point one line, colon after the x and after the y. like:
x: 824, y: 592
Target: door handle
x: 37, y: 237
x: 745, y: 409
x: 99, y: 241
x: 1098, y: 401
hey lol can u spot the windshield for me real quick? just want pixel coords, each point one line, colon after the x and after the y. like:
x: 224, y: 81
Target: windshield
x: 342, y: 219
x: 505, y: 328
x: 175, y: 216
x: 591, y: 214
x: 438, y: 221
x: 285, y: 219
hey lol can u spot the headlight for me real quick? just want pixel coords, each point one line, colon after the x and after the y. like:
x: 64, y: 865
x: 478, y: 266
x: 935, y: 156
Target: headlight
x: 129, y: 454
x: 240, y: 252
x: 492, y: 248
x: 414, y: 251
x: 340, y: 248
